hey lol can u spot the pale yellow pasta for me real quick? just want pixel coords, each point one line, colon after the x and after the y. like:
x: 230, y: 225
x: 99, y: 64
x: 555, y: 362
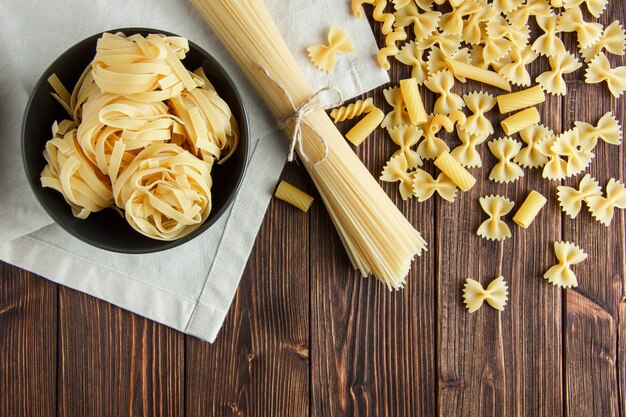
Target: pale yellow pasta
x: 520, y: 120
x: 479, y: 104
x: 396, y: 171
x: 556, y: 167
x: 294, y: 196
x: 505, y: 6
x: 529, y: 209
x: 449, y: 43
x: 442, y: 83
x: 437, y: 60
x: 520, y: 99
x: 499, y: 27
x: 567, y: 144
x: 556, y: 3
x: 455, y: 171
x: 412, y: 55
x: 515, y: 71
x: 472, y: 33
x: 352, y: 110
x: 391, y: 47
x: 165, y: 192
x: 338, y: 42
x: 494, y: 228
x: 520, y: 16
x: 413, y: 101
x: 548, y: 44
x: 477, y: 58
x: 474, y: 295
x: 379, y: 15
x: 552, y: 81
x: 406, y: 137
x: 70, y: 173
x: 365, y: 127
x: 452, y: 22
x: 424, y: 186
x: 458, y: 117
x: 600, y: 70
x: 571, y: 199
x: 461, y: 69
x: 608, y: 129
x: 505, y: 170
x: 61, y: 94
x: 572, y: 21
x: 567, y: 254
x: 494, y: 48
x: 466, y: 153
x: 424, y: 24
x: 398, y: 116
x: 602, y: 207
x: 357, y: 7
x: 530, y: 156
x: 596, y: 7
x: 613, y: 40
x: 432, y: 146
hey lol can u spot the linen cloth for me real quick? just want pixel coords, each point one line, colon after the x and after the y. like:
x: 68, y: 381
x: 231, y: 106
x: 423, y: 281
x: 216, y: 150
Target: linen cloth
x: 189, y: 287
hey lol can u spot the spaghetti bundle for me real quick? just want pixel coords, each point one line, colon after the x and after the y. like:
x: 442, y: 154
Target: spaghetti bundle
x: 378, y: 238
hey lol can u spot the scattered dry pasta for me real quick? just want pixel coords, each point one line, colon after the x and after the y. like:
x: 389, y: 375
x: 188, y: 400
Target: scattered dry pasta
x: 496, y: 294
x: 461, y: 69
x: 391, y: 47
x: 530, y: 156
x: 413, y: 101
x: 520, y: 16
x: 521, y: 99
x: 529, y: 209
x: 600, y: 70
x: 424, y: 24
x: 424, y: 186
x: 396, y: 171
x: 571, y: 199
x: 432, y: 145
x: 596, y: 7
x: 520, y: 121
x: 406, y: 137
x: 515, y: 71
x: 608, y: 129
x: 398, y: 116
x: 494, y: 228
x: 455, y: 171
x: 323, y: 56
x: 567, y: 254
x: 567, y: 144
x: 602, y: 208
x: 365, y: 126
x: 548, y: 44
x: 479, y: 104
x: 552, y: 81
x: 412, y: 55
x: 572, y: 21
x: 352, y: 110
x: 442, y: 83
x: 466, y: 153
x: 294, y: 196
x: 613, y: 40
x: 505, y: 150
x: 556, y: 167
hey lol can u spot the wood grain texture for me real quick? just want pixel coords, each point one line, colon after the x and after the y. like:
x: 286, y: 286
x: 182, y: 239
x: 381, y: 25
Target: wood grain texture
x: 28, y: 344
x: 259, y: 364
x: 115, y: 363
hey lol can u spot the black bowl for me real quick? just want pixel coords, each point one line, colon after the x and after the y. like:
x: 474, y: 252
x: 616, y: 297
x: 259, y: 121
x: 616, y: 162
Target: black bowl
x: 107, y: 229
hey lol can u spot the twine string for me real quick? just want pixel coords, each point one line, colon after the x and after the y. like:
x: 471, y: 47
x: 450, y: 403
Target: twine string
x: 297, y: 119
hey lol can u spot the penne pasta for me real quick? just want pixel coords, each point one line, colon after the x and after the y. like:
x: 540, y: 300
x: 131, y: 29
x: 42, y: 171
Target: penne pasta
x: 294, y: 196
x: 455, y: 171
x: 521, y: 99
x: 529, y: 209
x: 463, y: 70
x: 365, y: 127
x: 413, y: 101
x: 520, y: 121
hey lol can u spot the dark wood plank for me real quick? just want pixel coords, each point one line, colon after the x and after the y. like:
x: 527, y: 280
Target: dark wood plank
x: 112, y: 362
x: 594, y: 324
x: 372, y: 350
x: 491, y: 363
x: 259, y: 364
x: 28, y: 344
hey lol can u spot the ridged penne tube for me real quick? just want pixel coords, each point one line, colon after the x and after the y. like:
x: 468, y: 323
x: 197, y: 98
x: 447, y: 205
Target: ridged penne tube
x: 520, y: 121
x: 413, y: 101
x: 365, y: 127
x: 521, y: 99
x: 529, y: 209
x: 455, y: 171
x: 294, y: 196
x: 463, y: 70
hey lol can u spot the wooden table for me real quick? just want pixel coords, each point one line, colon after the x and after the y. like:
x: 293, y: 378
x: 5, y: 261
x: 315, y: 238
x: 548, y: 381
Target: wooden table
x: 306, y: 336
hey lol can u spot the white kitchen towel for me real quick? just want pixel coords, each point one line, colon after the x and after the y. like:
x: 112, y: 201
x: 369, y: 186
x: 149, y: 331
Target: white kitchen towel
x: 189, y: 287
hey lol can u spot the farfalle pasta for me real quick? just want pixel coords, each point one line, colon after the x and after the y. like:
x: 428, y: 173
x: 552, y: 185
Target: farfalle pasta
x: 505, y: 150
x: 442, y: 83
x: 548, y: 44
x: 556, y: 167
x: 398, y: 116
x: 530, y: 156
x: 466, y: 152
x: 572, y: 21
x: 432, y: 146
x: 561, y: 274
x: 520, y: 16
x: 396, y: 171
x: 494, y: 228
x: 412, y: 55
x: 474, y: 295
x: 479, y: 104
x: 567, y: 144
x: 602, y: 207
x: 505, y: 6
x: 452, y: 22
x: 424, y: 24
x: 600, y: 70
x: 571, y: 199
x: 323, y: 56
x: 515, y: 71
x: 596, y: 7
x: 447, y: 42
x: 608, y: 129
x: 552, y: 81
x: 499, y: 27
x: 424, y: 186
x: 613, y: 40
x: 406, y: 137
x: 472, y: 33
x: 437, y: 60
